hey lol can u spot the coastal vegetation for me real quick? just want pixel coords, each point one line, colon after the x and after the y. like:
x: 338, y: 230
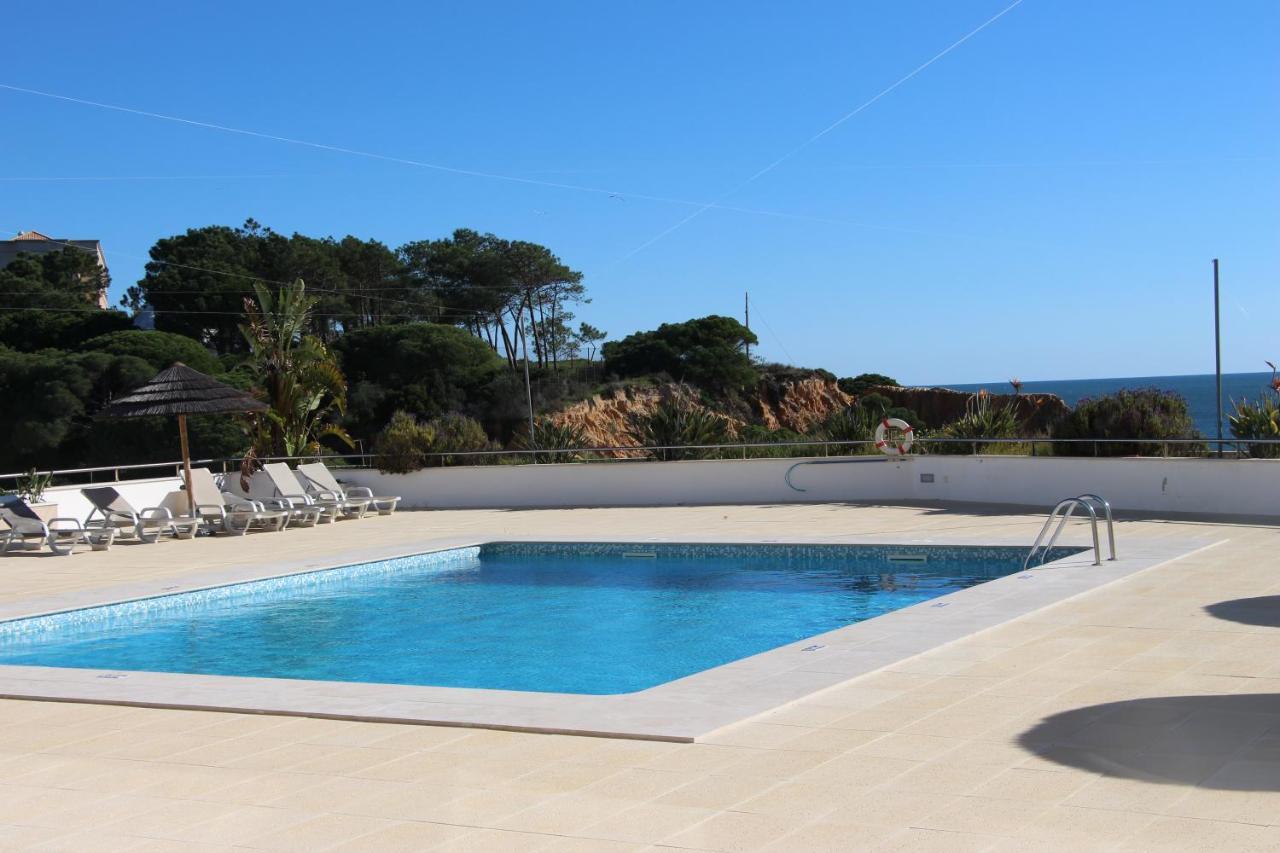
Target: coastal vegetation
x: 1259, y: 419
x: 1156, y: 418
x: 419, y: 354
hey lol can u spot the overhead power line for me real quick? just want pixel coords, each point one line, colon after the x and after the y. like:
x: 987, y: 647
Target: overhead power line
x: 702, y: 206
x: 835, y: 124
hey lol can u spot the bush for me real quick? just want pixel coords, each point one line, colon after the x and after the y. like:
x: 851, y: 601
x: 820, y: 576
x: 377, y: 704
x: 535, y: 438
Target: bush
x: 425, y: 369
x: 856, y: 423
x: 1143, y: 413
x: 31, y: 330
x: 858, y: 385
x: 454, y: 433
x: 679, y: 422
x: 402, y: 445
x: 1259, y: 419
x: 61, y: 392
x: 549, y: 435
x: 755, y: 434
x: 159, y: 349
x: 983, y: 418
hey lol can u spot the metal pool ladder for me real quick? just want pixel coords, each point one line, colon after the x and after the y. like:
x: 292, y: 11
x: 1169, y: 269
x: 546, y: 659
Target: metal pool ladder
x: 1062, y: 512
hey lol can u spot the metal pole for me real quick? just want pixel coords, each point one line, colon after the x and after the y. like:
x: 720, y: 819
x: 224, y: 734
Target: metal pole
x: 746, y: 312
x: 528, y: 388
x: 1217, y: 351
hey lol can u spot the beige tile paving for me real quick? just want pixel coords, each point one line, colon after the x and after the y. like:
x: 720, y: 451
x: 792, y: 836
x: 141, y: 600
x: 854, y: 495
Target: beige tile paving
x: 1001, y: 741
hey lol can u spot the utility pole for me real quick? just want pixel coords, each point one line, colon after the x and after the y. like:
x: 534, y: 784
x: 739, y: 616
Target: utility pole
x: 528, y: 387
x: 1217, y: 351
x: 746, y: 310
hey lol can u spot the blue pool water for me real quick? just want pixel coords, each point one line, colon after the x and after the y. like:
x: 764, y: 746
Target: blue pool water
x: 567, y: 618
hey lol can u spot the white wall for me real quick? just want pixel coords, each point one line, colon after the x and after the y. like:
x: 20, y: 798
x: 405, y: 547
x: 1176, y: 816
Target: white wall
x: 140, y: 493
x: 1226, y: 486
x: 1220, y: 486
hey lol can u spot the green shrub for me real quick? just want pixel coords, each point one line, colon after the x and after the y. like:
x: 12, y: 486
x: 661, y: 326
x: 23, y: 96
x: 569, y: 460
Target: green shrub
x: 708, y: 352
x: 678, y: 422
x: 982, y: 418
x: 1142, y: 413
x: 456, y: 434
x: 1258, y: 419
x: 882, y: 407
x: 402, y: 445
x: 159, y: 349
x: 858, y: 385
x: 756, y: 434
x: 856, y: 423
x: 549, y: 435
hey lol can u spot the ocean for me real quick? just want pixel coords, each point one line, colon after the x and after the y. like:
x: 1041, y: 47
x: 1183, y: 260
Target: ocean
x: 1198, y: 390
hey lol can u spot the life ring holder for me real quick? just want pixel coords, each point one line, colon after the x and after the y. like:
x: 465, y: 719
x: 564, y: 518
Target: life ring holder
x: 904, y: 444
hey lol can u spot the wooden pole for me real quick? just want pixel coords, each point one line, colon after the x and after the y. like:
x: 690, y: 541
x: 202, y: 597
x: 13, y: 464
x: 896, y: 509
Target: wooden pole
x: 186, y: 464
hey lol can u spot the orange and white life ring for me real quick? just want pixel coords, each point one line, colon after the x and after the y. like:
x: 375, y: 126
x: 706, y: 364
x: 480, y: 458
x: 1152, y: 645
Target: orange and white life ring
x: 904, y: 443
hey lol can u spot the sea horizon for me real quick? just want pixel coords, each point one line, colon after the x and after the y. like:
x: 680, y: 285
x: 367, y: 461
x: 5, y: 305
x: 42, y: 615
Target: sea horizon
x: 1198, y: 389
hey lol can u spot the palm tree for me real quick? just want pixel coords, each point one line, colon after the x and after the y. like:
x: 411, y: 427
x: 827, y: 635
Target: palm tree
x: 297, y: 375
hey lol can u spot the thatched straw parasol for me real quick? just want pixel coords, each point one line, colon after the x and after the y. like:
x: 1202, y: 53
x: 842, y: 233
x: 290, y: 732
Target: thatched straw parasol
x: 181, y: 391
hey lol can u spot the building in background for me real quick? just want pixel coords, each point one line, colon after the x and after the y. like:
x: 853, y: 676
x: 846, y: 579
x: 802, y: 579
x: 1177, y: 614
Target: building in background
x: 35, y: 243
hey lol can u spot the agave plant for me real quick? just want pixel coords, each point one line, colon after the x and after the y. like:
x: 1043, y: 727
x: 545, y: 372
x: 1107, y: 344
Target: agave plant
x: 982, y: 418
x: 676, y: 424
x: 549, y: 435
x: 856, y: 423
x: 1259, y: 419
x: 295, y: 372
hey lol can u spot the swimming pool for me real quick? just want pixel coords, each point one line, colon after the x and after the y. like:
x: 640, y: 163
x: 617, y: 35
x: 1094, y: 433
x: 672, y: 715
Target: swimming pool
x: 586, y: 618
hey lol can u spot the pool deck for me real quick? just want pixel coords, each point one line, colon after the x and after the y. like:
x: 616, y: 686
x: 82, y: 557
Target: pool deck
x: 1143, y: 714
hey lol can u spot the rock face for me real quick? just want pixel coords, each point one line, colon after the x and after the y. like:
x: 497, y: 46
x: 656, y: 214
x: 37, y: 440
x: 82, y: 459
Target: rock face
x: 937, y: 406
x: 800, y: 404
x: 605, y: 421
x: 795, y: 404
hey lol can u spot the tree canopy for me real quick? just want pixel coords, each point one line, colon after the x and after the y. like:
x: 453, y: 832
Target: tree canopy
x: 423, y: 369
x: 51, y: 301
x: 709, y: 352
x: 197, y: 282
x: 159, y: 349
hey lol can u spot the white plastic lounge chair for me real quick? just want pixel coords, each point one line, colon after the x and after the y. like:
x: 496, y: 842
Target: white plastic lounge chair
x: 148, y: 525
x: 289, y: 495
x: 223, y: 511
x: 60, y: 534
x: 322, y: 484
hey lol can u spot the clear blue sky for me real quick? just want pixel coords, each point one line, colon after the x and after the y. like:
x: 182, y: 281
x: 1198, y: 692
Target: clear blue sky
x: 1043, y: 201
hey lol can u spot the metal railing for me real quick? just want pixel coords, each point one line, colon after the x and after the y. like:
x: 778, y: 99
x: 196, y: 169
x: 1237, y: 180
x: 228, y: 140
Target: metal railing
x: 1032, y: 447
x: 1062, y: 513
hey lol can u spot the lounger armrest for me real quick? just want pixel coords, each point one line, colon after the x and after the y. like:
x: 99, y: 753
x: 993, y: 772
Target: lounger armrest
x: 211, y: 509
x: 326, y: 495
x: 155, y: 512
x: 359, y: 492
x: 65, y: 524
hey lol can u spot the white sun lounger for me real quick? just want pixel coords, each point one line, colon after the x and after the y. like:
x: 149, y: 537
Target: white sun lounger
x: 60, y: 534
x: 323, y: 484
x: 147, y: 524
x: 223, y: 511
x: 291, y: 496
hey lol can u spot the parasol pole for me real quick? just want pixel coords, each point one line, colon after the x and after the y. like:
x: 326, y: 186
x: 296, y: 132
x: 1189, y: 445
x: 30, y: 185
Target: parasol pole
x: 186, y: 464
